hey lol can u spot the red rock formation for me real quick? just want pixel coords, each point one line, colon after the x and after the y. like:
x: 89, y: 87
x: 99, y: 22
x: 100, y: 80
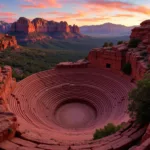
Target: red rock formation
x: 8, y: 121
x: 63, y: 27
x: 142, y: 32
x: 42, y: 26
x: 139, y: 68
x: 23, y: 25
x: 112, y: 57
x: 7, y: 41
x: 74, y: 29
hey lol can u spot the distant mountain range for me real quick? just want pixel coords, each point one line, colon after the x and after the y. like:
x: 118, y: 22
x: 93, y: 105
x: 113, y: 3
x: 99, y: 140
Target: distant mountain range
x: 107, y: 29
x: 4, y: 27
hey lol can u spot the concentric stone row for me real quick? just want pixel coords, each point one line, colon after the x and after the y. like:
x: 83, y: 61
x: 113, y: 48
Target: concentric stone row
x: 40, y: 100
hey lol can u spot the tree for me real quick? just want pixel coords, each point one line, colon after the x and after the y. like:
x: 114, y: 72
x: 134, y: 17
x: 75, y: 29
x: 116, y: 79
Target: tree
x: 106, y: 44
x: 119, y: 42
x: 110, y: 44
x: 107, y: 130
x: 139, y: 101
x: 127, y: 69
x: 133, y: 43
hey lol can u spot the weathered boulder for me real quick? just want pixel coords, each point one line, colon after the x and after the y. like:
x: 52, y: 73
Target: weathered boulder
x: 7, y: 41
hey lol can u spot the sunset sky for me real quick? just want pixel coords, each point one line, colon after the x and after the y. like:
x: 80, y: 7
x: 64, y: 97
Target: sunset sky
x: 80, y: 12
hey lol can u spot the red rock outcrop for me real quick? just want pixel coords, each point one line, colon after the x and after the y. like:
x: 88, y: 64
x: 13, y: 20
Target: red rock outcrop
x: 112, y: 58
x: 8, y: 121
x: 45, y: 26
x: 139, y: 67
x: 42, y: 26
x: 23, y: 25
x: 7, y: 41
x: 75, y: 29
x: 142, y: 32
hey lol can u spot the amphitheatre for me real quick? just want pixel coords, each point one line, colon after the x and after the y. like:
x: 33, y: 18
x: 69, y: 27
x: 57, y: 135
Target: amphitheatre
x: 59, y: 109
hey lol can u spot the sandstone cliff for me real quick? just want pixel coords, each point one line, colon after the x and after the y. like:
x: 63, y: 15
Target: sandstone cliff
x: 142, y: 32
x: 51, y: 28
x: 7, y: 41
x: 40, y: 29
x: 8, y: 119
x: 23, y: 25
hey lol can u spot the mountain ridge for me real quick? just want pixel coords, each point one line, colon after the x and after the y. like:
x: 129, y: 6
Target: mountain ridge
x: 108, y: 29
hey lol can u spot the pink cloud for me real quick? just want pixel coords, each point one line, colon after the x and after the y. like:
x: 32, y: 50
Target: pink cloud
x: 94, y: 19
x: 33, y: 6
x: 65, y: 14
x: 124, y: 15
x: 8, y: 14
x: 8, y: 20
x: 104, y: 6
x: 40, y: 4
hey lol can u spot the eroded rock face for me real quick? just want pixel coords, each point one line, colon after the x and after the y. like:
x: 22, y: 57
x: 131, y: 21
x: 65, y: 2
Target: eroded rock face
x: 111, y: 58
x: 142, y: 32
x: 8, y: 119
x: 42, y: 26
x: 7, y: 41
x: 23, y: 25
x: 74, y: 29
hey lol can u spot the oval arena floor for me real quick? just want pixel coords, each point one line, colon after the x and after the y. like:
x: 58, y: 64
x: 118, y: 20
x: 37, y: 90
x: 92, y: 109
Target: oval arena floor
x: 67, y: 105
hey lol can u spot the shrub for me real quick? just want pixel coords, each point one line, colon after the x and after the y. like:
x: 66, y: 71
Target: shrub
x: 2, y: 82
x: 133, y: 43
x: 139, y: 101
x: 86, y: 58
x: 106, y: 44
x: 148, y: 66
x: 10, y: 130
x: 107, y: 130
x: 127, y: 69
x: 119, y: 42
x: 110, y: 44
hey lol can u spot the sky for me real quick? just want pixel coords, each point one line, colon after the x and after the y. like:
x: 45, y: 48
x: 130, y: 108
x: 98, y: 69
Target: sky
x: 79, y: 12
